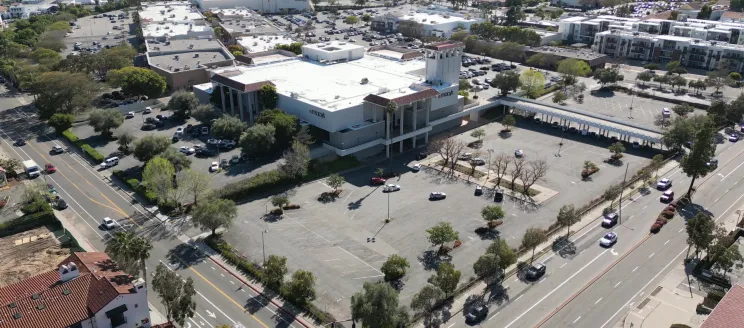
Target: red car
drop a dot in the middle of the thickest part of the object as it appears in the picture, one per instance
(377, 181)
(50, 168)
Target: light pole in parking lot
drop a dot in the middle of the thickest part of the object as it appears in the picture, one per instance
(263, 246)
(488, 173)
(632, 98)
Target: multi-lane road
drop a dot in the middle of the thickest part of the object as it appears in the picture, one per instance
(220, 297)
(595, 286)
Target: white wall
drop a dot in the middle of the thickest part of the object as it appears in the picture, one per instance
(330, 121)
(269, 6)
(134, 314)
(445, 98)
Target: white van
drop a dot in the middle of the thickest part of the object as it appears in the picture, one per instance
(109, 162)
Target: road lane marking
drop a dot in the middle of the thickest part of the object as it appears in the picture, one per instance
(666, 242)
(555, 289)
(600, 299)
(617, 284)
(634, 270)
(564, 264)
(232, 282)
(577, 319)
(495, 314)
(680, 230)
(204, 320)
(652, 254)
(518, 297)
(450, 326)
(541, 280)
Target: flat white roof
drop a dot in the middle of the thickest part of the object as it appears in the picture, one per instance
(332, 46)
(159, 30)
(338, 86)
(434, 19)
(258, 43)
(168, 12)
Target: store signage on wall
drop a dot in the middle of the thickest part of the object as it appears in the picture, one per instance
(445, 94)
(317, 113)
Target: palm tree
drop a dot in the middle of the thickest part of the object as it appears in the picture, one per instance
(390, 109)
(130, 247)
(141, 252)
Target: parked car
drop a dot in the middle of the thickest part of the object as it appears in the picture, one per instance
(667, 196)
(148, 127)
(666, 112)
(391, 188)
(437, 195)
(235, 159)
(664, 183)
(518, 153)
(608, 240)
(377, 181)
(416, 167)
(109, 162)
(108, 223)
(733, 137)
(61, 204)
(214, 167)
(129, 115)
(536, 271)
(478, 190)
(187, 150)
(147, 110)
(478, 161)
(465, 156)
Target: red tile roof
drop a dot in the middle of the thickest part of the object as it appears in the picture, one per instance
(732, 15)
(407, 99)
(45, 301)
(445, 45)
(728, 312)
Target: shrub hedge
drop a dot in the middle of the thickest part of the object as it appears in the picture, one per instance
(255, 271)
(136, 186)
(27, 222)
(87, 149)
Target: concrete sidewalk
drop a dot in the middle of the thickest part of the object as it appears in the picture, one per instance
(578, 230)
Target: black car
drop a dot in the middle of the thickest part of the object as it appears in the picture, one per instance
(536, 271)
(61, 204)
(148, 127)
(476, 314)
(421, 156)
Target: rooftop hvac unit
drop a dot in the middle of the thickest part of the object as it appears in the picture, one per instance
(196, 55)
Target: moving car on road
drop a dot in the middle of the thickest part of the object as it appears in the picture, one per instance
(57, 150)
(608, 240)
(664, 183)
(49, 168)
(535, 271)
(518, 153)
(108, 223)
(476, 314)
(113, 161)
(610, 219)
(437, 195)
(667, 196)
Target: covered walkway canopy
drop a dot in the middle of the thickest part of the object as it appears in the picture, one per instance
(583, 117)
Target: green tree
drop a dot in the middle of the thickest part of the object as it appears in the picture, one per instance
(695, 162)
(178, 159)
(442, 233)
(280, 200)
(129, 248)
(717, 79)
(423, 304)
(446, 278)
(611, 193)
(228, 127)
(617, 149)
(735, 76)
(508, 121)
(104, 120)
(574, 67)
(671, 66)
(286, 125)
(158, 177)
(559, 97)
(150, 146)
(511, 51)
(125, 139)
(257, 139)
(62, 92)
(61, 122)
(176, 295)
(296, 161)
(335, 181)
(478, 133)
(182, 103)
(506, 81)
(44, 56)
(567, 216)
(487, 268)
(376, 305)
(138, 81)
(506, 255)
(727, 258)
(214, 214)
(205, 113)
(366, 18)
(682, 130)
(533, 82)
(351, 20)
(300, 289)
(608, 76)
(541, 60)
(705, 12)
(275, 269)
(267, 96)
(395, 267)
(532, 238)
(492, 213)
(515, 14)
(683, 109)
(645, 77)
(700, 231)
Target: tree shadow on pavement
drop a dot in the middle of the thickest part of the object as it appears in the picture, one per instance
(564, 247)
(184, 256)
(689, 211)
(486, 233)
(253, 304)
(430, 259)
(355, 205)
(497, 294)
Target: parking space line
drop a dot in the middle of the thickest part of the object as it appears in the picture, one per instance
(379, 275)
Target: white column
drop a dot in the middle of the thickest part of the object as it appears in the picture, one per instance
(402, 115)
(388, 122)
(415, 109)
(232, 102)
(240, 106)
(427, 108)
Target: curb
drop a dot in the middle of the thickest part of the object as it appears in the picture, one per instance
(255, 289)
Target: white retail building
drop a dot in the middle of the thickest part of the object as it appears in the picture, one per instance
(342, 90)
(433, 22)
(264, 6)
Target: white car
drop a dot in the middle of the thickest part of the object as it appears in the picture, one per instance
(214, 167)
(187, 150)
(58, 150)
(518, 153)
(391, 188)
(416, 167)
(478, 161)
(214, 142)
(465, 156)
(129, 115)
(147, 110)
(108, 223)
(437, 195)
(608, 240)
(664, 183)
(666, 112)
(179, 130)
(667, 196)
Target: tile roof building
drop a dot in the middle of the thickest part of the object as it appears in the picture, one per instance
(88, 290)
(728, 312)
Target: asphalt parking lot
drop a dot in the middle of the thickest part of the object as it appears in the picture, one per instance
(133, 125)
(617, 105)
(89, 29)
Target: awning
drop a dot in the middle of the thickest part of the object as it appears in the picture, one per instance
(116, 311)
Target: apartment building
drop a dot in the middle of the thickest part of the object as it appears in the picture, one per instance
(583, 29)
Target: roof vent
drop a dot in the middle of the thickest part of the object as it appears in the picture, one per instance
(12, 305)
(66, 291)
(35, 296)
(365, 80)
(40, 307)
(16, 315)
(72, 266)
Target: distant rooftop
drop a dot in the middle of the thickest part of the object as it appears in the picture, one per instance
(259, 43)
(568, 53)
(175, 29)
(234, 12)
(248, 25)
(169, 12)
(184, 55)
(432, 18)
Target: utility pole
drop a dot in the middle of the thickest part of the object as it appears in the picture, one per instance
(263, 246)
(631, 103)
(488, 174)
(622, 187)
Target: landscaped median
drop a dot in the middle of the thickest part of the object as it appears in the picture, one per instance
(87, 149)
(255, 271)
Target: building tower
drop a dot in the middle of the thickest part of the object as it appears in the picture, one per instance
(443, 62)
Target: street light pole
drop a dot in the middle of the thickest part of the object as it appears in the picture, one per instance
(622, 187)
(631, 103)
(488, 174)
(263, 246)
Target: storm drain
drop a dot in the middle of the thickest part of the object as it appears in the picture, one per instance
(656, 291)
(640, 306)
